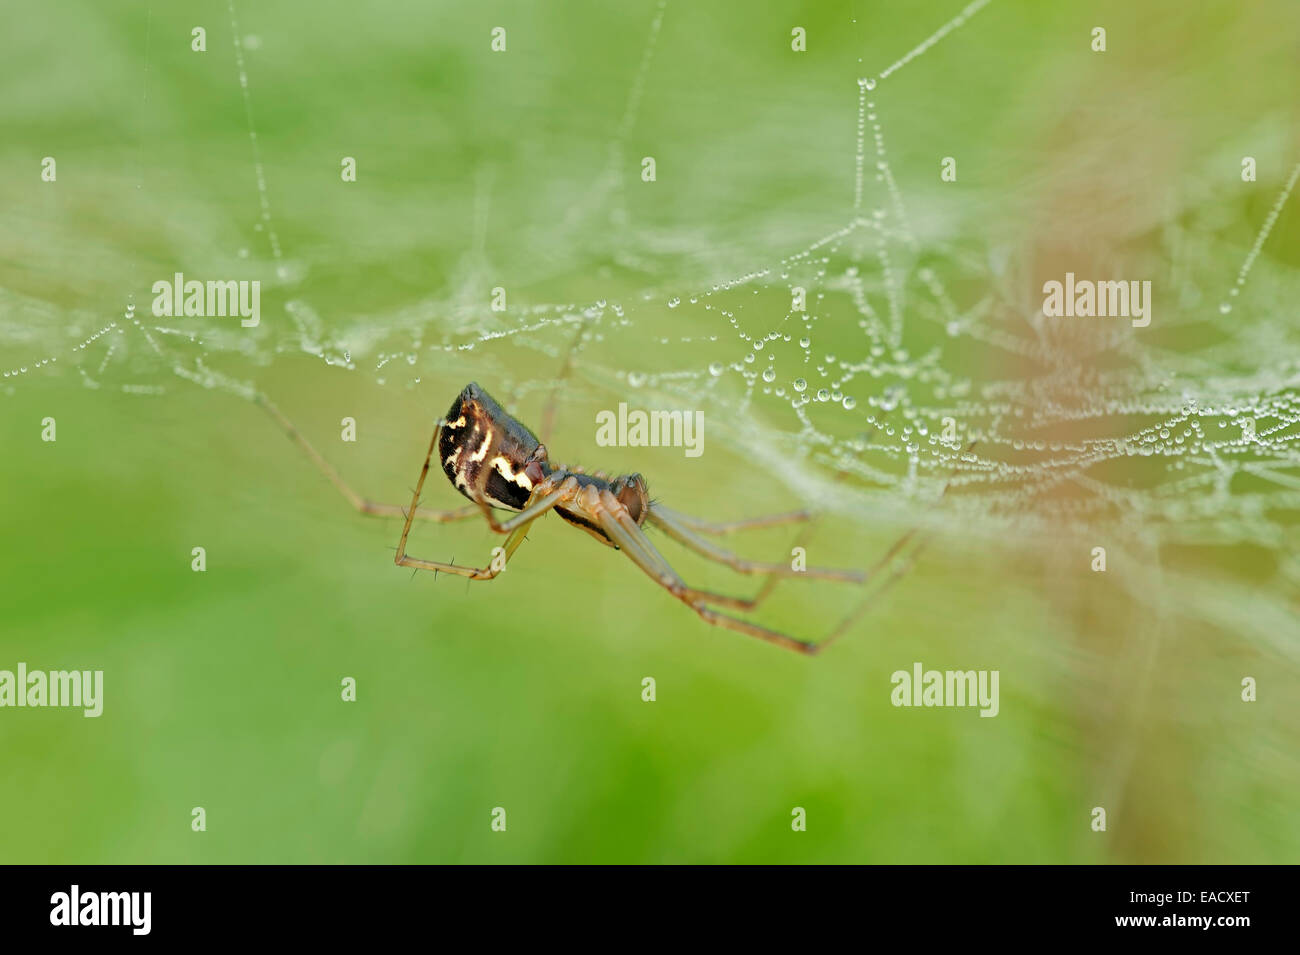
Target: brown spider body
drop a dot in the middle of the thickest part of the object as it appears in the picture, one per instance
(496, 461)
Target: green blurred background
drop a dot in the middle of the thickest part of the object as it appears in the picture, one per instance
(520, 170)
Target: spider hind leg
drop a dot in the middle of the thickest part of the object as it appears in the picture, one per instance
(618, 524)
(672, 525)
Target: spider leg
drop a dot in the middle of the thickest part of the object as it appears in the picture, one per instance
(544, 497)
(473, 573)
(615, 521)
(567, 487)
(898, 571)
(623, 530)
(870, 577)
(363, 505)
(668, 522)
(548, 412)
(644, 552)
(801, 540)
(729, 527)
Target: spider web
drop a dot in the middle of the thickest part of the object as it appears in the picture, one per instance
(921, 378)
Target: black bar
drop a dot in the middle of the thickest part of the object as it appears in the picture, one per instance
(333, 904)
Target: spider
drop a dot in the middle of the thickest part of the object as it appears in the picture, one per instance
(499, 464)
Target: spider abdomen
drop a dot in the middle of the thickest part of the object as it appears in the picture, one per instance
(487, 455)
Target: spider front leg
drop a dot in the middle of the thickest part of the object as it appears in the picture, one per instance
(473, 573)
(564, 486)
(544, 497)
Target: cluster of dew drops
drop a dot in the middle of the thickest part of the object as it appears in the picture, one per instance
(800, 394)
(796, 389)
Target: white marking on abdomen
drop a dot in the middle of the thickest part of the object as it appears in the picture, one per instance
(503, 468)
(482, 450)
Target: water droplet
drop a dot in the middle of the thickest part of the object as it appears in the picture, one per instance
(850, 402)
(769, 374)
(800, 384)
(715, 369)
(674, 302)
(823, 394)
(636, 379)
(1225, 308)
(805, 342)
